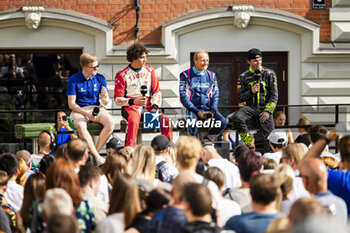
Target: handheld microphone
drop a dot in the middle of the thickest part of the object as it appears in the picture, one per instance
(95, 111)
(143, 90)
(257, 75)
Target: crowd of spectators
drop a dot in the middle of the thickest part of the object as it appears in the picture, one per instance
(27, 78)
(156, 189)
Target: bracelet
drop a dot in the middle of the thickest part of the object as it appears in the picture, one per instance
(326, 139)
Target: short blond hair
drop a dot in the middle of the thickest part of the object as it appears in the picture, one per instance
(86, 59)
(196, 54)
(188, 151)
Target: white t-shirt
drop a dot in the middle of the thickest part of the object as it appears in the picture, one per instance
(298, 189)
(275, 156)
(113, 223)
(14, 195)
(232, 176)
(228, 209)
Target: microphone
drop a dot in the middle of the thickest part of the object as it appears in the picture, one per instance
(143, 90)
(95, 111)
(257, 75)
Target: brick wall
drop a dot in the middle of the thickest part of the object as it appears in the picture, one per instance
(153, 13)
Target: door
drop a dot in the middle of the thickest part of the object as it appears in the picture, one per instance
(228, 67)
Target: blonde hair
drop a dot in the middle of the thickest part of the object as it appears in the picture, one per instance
(171, 156)
(286, 176)
(22, 170)
(188, 151)
(127, 153)
(144, 162)
(86, 59)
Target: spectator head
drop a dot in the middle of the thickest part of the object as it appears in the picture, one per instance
(315, 175)
(269, 164)
(344, 148)
(35, 187)
(59, 223)
(180, 181)
(238, 151)
(280, 118)
(197, 200)
(114, 145)
(144, 163)
(45, 163)
(304, 208)
(125, 196)
(188, 152)
(60, 120)
(9, 164)
(22, 171)
(216, 175)
(160, 144)
(115, 164)
(157, 199)
(135, 51)
(249, 164)
(61, 152)
(127, 152)
(285, 176)
(293, 153)
(316, 132)
(264, 189)
(46, 140)
(77, 150)
(57, 201)
(303, 122)
(3, 181)
(61, 174)
(89, 179)
(278, 139)
(26, 156)
(86, 59)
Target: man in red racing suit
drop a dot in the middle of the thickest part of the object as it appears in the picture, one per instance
(127, 93)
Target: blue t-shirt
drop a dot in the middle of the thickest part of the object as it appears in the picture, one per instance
(86, 91)
(339, 184)
(253, 222)
(62, 138)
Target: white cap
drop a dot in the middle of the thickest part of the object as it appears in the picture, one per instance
(278, 137)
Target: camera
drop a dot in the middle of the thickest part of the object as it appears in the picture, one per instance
(64, 118)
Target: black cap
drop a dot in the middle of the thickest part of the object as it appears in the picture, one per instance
(115, 143)
(161, 142)
(254, 54)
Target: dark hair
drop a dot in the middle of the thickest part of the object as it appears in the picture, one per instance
(87, 173)
(248, 163)
(76, 149)
(279, 146)
(9, 164)
(344, 147)
(58, 223)
(4, 178)
(135, 51)
(216, 175)
(239, 150)
(198, 197)
(264, 188)
(157, 199)
(316, 132)
(45, 163)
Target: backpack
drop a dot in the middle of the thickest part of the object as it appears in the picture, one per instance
(159, 171)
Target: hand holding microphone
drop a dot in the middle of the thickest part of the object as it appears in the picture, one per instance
(92, 116)
(141, 100)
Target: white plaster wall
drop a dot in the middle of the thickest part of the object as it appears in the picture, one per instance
(228, 39)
